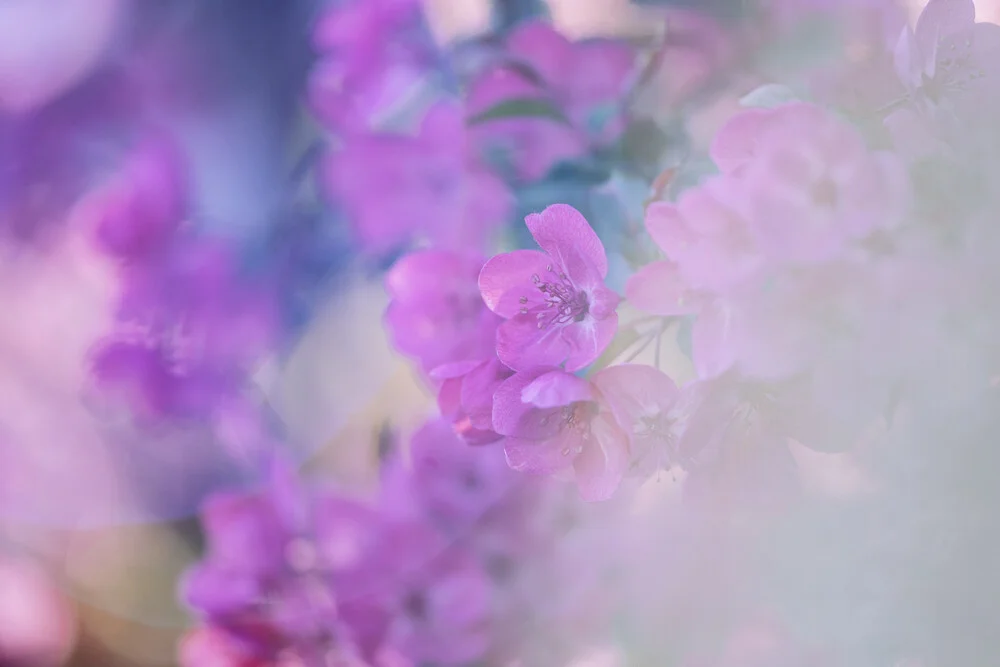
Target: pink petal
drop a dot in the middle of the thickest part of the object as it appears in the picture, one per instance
(602, 71)
(940, 19)
(556, 389)
(542, 457)
(563, 232)
(434, 272)
(506, 278)
(666, 225)
(443, 125)
(511, 415)
(523, 346)
(601, 465)
(547, 51)
(478, 389)
(634, 390)
(907, 59)
(657, 288)
(712, 348)
(588, 339)
(736, 142)
(454, 369)
(449, 398)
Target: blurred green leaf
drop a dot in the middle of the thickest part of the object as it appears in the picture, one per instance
(520, 107)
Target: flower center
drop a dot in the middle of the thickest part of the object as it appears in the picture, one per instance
(562, 302)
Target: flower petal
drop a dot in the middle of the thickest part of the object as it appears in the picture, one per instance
(511, 415)
(540, 457)
(522, 345)
(588, 339)
(601, 465)
(430, 272)
(506, 279)
(658, 289)
(555, 389)
(563, 232)
(940, 19)
(543, 48)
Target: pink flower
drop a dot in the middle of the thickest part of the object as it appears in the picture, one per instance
(558, 422)
(704, 233)
(395, 187)
(436, 313)
(557, 307)
(642, 399)
(949, 62)
(808, 183)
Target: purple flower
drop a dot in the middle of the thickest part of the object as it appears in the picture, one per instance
(144, 207)
(436, 313)
(438, 596)
(439, 189)
(447, 481)
(557, 307)
(589, 79)
(584, 80)
(188, 331)
(556, 422)
(949, 62)
(530, 145)
(465, 397)
(277, 560)
(371, 52)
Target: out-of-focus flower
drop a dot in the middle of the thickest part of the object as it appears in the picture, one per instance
(37, 624)
(396, 188)
(372, 52)
(557, 307)
(642, 399)
(949, 62)
(586, 81)
(530, 146)
(807, 182)
(189, 326)
(144, 207)
(436, 313)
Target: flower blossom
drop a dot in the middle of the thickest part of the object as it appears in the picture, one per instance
(949, 61)
(807, 183)
(437, 186)
(584, 80)
(555, 422)
(436, 313)
(371, 52)
(557, 308)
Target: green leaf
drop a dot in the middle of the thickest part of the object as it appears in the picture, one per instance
(520, 107)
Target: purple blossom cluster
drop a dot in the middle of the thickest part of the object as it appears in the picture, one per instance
(188, 326)
(433, 570)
